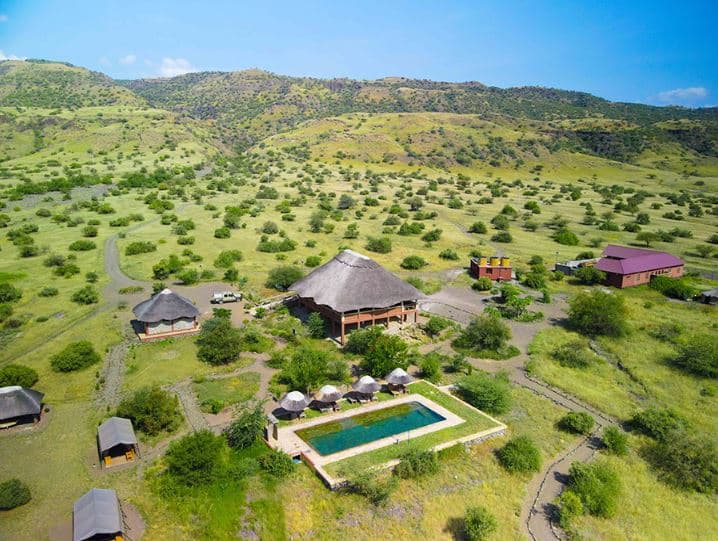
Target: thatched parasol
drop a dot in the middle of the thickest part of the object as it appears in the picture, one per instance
(328, 394)
(366, 385)
(294, 401)
(398, 376)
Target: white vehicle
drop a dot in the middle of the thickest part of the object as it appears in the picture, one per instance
(226, 296)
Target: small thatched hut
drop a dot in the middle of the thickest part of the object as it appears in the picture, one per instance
(327, 398)
(19, 405)
(353, 289)
(116, 441)
(366, 386)
(398, 379)
(294, 402)
(97, 516)
(166, 314)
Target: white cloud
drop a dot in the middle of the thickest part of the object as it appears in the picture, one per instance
(128, 59)
(683, 95)
(172, 67)
(4, 56)
(3, 18)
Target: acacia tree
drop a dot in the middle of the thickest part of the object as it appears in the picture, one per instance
(598, 313)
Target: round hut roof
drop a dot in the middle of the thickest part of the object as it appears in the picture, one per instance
(352, 281)
(16, 401)
(398, 376)
(166, 305)
(294, 401)
(328, 393)
(366, 385)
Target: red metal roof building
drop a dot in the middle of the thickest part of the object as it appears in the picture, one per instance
(627, 267)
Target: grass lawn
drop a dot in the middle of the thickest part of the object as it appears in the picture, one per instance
(227, 391)
(475, 422)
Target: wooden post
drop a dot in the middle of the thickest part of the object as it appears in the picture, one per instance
(342, 323)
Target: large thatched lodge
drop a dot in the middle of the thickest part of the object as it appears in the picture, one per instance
(164, 315)
(352, 290)
(19, 406)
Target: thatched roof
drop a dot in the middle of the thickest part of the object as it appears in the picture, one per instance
(96, 513)
(328, 393)
(16, 401)
(398, 376)
(351, 281)
(166, 305)
(115, 431)
(294, 401)
(366, 385)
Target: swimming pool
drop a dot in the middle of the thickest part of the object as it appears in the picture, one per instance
(335, 436)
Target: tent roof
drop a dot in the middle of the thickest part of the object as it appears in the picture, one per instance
(16, 401)
(96, 513)
(398, 376)
(366, 384)
(116, 431)
(166, 305)
(352, 281)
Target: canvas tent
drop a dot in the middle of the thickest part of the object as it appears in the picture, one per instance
(97, 516)
(166, 314)
(116, 438)
(18, 405)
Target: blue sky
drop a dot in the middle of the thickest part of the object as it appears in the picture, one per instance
(654, 52)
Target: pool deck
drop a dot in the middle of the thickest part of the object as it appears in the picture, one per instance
(288, 441)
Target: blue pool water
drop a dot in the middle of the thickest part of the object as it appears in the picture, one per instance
(336, 436)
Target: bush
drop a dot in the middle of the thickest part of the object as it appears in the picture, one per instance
(486, 392)
(48, 292)
(598, 313)
(416, 463)
(140, 247)
(578, 422)
(226, 258)
(686, 461)
(479, 524)
(520, 455)
(276, 246)
(569, 508)
(435, 325)
(565, 237)
(307, 367)
(89, 231)
(658, 423)
(430, 367)
(9, 293)
(86, 295)
(17, 374)
(478, 227)
(590, 275)
(316, 325)
(484, 333)
(151, 410)
(384, 354)
(483, 284)
(82, 246)
(597, 486)
(380, 245)
(277, 463)
(188, 276)
(360, 340)
(413, 262)
(313, 261)
(675, 288)
(75, 356)
(373, 488)
(502, 236)
(615, 441)
(246, 428)
(449, 254)
(222, 233)
(195, 459)
(218, 341)
(573, 354)
(282, 277)
(13, 493)
(699, 355)
(431, 236)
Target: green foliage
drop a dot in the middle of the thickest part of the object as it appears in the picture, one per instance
(75, 356)
(13, 493)
(313, 261)
(478, 227)
(188, 277)
(360, 340)
(276, 246)
(282, 277)
(615, 441)
(569, 508)
(565, 237)
(598, 487)
(374, 488)
(430, 366)
(431, 236)
(48, 292)
(577, 422)
(482, 284)
(415, 463)
(675, 288)
(590, 275)
(479, 524)
(246, 428)
(502, 236)
(307, 368)
(435, 325)
(598, 313)
(698, 354)
(484, 333)
(17, 374)
(277, 464)
(380, 245)
(82, 246)
(491, 394)
(151, 410)
(658, 423)
(520, 455)
(686, 461)
(195, 459)
(384, 354)
(316, 325)
(86, 295)
(9, 293)
(226, 258)
(222, 233)
(413, 262)
(573, 354)
(218, 341)
(449, 254)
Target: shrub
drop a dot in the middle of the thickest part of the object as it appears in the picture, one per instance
(565, 237)
(569, 508)
(699, 355)
(13, 493)
(520, 455)
(152, 410)
(573, 354)
(384, 354)
(435, 325)
(48, 292)
(502, 236)
(430, 367)
(598, 313)
(82, 246)
(449, 254)
(89, 231)
(277, 463)
(479, 524)
(246, 428)
(282, 277)
(270, 228)
(218, 341)
(376, 489)
(17, 374)
(484, 333)
(75, 356)
(276, 246)
(29, 250)
(615, 441)
(313, 261)
(686, 461)
(416, 463)
(86, 295)
(590, 275)
(597, 486)
(485, 392)
(195, 459)
(578, 422)
(380, 245)
(478, 227)
(658, 423)
(431, 236)
(222, 233)
(226, 258)
(307, 367)
(675, 288)
(483, 284)
(9, 293)
(360, 340)
(413, 262)
(316, 325)
(188, 276)
(140, 247)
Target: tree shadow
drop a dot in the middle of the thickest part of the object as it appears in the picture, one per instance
(456, 528)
